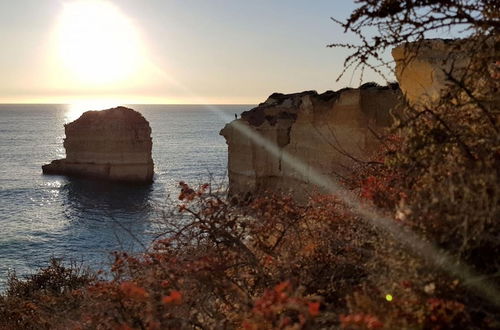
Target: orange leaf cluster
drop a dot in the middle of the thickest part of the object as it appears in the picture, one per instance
(175, 297)
(132, 290)
(360, 320)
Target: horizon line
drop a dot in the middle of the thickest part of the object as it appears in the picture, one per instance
(121, 104)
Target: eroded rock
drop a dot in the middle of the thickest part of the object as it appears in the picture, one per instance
(423, 68)
(112, 144)
(328, 132)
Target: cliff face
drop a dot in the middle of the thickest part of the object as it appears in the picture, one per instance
(327, 132)
(112, 144)
(422, 68)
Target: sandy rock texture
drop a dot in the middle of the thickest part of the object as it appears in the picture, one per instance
(327, 132)
(113, 144)
(422, 68)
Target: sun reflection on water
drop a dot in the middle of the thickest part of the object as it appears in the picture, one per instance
(54, 184)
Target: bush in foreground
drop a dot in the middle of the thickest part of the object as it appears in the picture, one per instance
(269, 264)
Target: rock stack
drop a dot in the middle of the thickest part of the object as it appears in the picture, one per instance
(113, 144)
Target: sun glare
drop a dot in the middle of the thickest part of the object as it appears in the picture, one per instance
(76, 109)
(98, 45)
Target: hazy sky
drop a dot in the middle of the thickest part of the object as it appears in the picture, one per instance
(168, 51)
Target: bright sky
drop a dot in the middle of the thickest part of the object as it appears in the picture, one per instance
(168, 51)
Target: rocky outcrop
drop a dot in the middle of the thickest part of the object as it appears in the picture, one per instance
(112, 144)
(327, 132)
(422, 68)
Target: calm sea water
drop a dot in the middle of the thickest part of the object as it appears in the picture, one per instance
(84, 220)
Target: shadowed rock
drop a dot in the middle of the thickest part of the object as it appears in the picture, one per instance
(112, 144)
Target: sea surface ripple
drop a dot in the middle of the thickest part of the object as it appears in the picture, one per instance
(85, 220)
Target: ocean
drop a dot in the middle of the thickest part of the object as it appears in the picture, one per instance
(83, 221)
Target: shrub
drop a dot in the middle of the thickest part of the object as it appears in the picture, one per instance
(44, 299)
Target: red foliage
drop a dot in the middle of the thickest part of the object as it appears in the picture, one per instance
(445, 313)
(270, 264)
(132, 290)
(378, 182)
(314, 308)
(364, 321)
(174, 297)
(282, 307)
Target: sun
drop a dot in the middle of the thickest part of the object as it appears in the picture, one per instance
(97, 44)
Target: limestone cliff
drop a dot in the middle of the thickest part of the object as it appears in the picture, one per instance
(422, 68)
(112, 144)
(328, 132)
